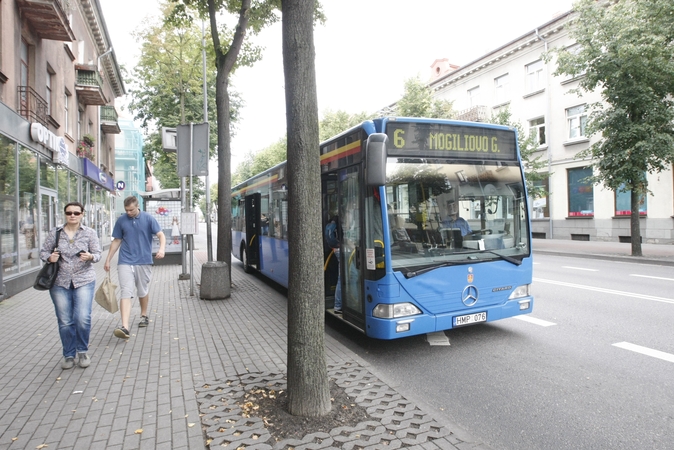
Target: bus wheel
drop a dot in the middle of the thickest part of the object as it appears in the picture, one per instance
(244, 260)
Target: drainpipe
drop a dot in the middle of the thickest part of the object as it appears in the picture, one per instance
(547, 120)
(98, 114)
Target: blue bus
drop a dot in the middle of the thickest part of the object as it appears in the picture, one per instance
(434, 225)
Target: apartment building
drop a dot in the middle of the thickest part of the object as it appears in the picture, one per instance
(515, 76)
(58, 82)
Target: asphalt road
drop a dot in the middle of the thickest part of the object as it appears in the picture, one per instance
(582, 372)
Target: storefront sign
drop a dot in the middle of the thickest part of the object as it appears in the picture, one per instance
(94, 174)
(56, 144)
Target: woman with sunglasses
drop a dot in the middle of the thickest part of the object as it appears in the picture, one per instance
(73, 292)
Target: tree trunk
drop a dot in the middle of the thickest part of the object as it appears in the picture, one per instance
(225, 62)
(308, 384)
(224, 250)
(635, 226)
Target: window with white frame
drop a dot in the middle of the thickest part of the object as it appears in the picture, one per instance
(66, 112)
(474, 96)
(576, 119)
(575, 50)
(79, 123)
(48, 92)
(534, 76)
(502, 89)
(537, 130)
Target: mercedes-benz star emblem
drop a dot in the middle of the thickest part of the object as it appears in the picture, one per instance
(469, 295)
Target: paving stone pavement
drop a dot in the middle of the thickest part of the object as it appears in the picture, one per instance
(147, 392)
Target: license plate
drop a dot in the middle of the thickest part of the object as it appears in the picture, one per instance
(470, 319)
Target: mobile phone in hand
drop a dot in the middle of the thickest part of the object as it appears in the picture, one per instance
(80, 252)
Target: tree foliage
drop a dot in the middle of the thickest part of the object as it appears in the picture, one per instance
(333, 123)
(418, 101)
(256, 162)
(230, 50)
(535, 167)
(167, 89)
(625, 49)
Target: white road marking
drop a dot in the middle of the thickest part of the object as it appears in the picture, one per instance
(645, 351)
(535, 321)
(607, 291)
(437, 338)
(580, 268)
(652, 278)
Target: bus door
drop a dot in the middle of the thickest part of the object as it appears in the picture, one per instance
(330, 209)
(252, 215)
(352, 250)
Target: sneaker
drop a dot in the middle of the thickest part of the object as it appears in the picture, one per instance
(144, 321)
(338, 311)
(84, 360)
(68, 363)
(121, 333)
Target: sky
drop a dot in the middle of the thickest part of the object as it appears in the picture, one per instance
(364, 52)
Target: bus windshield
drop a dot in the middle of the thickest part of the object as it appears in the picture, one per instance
(442, 212)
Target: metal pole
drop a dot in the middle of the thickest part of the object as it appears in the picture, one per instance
(183, 254)
(191, 207)
(209, 240)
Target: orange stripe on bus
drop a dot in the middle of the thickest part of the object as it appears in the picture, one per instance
(256, 184)
(341, 152)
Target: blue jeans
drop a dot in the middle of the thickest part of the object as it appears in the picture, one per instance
(338, 289)
(73, 312)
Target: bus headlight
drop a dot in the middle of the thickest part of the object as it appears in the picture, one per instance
(520, 291)
(396, 310)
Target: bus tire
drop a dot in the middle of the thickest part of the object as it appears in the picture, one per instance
(244, 259)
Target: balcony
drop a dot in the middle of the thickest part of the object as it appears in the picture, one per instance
(474, 114)
(48, 18)
(109, 123)
(89, 86)
(32, 106)
(128, 154)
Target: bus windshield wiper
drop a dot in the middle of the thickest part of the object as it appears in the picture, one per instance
(414, 273)
(510, 259)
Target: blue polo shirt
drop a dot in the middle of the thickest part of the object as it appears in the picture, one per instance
(136, 236)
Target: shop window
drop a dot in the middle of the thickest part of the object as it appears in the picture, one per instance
(623, 203)
(581, 192)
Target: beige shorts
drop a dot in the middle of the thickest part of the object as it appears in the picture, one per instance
(134, 279)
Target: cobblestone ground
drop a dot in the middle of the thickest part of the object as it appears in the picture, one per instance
(393, 421)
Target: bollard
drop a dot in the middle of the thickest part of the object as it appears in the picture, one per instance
(215, 282)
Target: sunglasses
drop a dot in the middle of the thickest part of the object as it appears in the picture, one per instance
(73, 213)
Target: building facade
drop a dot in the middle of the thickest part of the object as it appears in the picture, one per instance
(130, 167)
(515, 76)
(58, 82)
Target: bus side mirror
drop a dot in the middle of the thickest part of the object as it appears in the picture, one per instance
(376, 159)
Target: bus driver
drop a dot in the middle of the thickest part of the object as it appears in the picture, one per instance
(454, 221)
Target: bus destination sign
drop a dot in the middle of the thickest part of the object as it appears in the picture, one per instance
(457, 141)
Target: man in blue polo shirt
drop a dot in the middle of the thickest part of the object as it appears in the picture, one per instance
(132, 235)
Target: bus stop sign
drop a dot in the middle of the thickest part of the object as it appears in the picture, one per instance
(199, 138)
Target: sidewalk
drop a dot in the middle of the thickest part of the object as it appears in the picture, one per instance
(615, 251)
(175, 384)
